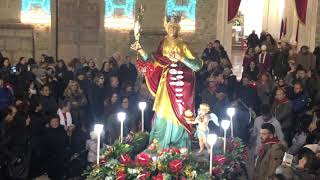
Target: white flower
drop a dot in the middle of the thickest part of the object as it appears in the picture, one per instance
(194, 174)
(133, 171)
(166, 176)
(109, 178)
(183, 150)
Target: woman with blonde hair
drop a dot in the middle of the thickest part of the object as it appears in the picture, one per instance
(78, 101)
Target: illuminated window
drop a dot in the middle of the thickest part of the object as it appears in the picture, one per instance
(188, 10)
(35, 12)
(119, 14)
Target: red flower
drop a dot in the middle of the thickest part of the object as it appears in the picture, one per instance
(219, 159)
(236, 144)
(162, 152)
(144, 175)
(158, 177)
(216, 171)
(125, 159)
(171, 150)
(102, 161)
(143, 159)
(121, 175)
(175, 166)
(183, 178)
(152, 147)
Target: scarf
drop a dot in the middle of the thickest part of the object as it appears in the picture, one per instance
(261, 61)
(282, 101)
(65, 120)
(262, 148)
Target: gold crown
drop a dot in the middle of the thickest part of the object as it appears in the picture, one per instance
(174, 17)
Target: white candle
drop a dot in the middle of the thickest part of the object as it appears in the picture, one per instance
(121, 118)
(142, 106)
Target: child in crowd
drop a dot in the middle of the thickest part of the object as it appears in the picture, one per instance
(91, 146)
(65, 115)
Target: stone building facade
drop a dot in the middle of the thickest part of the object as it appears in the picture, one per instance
(81, 30)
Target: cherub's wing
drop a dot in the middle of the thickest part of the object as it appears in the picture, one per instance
(214, 119)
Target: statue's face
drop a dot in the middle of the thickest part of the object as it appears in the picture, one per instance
(173, 30)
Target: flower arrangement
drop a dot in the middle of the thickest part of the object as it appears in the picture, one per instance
(118, 162)
(232, 164)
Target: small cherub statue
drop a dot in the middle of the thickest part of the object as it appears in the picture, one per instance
(202, 128)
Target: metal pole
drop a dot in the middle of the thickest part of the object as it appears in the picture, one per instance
(231, 126)
(121, 133)
(211, 149)
(225, 142)
(98, 149)
(142, 120)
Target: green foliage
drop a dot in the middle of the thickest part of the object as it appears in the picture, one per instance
(167, 164)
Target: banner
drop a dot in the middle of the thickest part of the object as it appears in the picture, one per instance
(301, 7)
(233, 7)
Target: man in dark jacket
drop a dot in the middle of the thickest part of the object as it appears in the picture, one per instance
(306, 168)
(128, 72)
(270, 153)
(253, 40)
(282, 111)
(280, 65)
(300, 100)
(48, 102)
(210, 54)
(6, 97)
(248, 94)
(222, 54)
(55, 141)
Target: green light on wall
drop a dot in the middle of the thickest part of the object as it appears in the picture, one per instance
(188, 10)
(119, 14)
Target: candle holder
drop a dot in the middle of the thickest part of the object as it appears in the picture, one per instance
(212, 139)
(98, 129)
(225, 124)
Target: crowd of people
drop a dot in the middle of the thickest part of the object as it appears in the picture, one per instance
(48, 107)
(277, 102)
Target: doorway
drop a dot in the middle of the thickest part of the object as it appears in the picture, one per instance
(249, 17)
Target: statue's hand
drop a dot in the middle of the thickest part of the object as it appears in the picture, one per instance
(175, 57)
(136, 46)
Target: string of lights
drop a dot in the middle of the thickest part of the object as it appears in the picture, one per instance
(118, 15)
(123, 20)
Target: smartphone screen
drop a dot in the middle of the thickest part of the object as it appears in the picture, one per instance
(14, 69)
